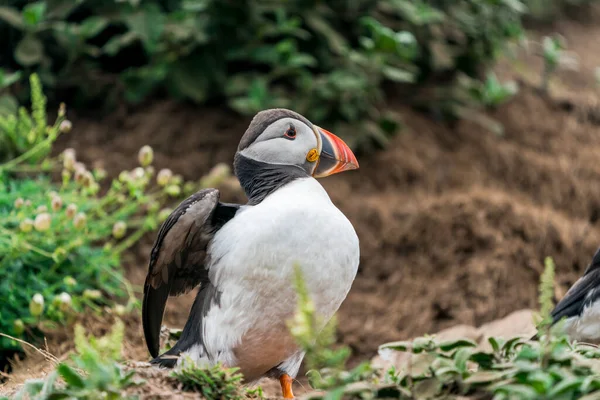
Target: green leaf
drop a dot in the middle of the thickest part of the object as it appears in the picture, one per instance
(12, 17)
(569, 385)
(337, 43)
(511, 344)
(590, 396)
(397, 74)
(398, 346)
(482, 376)
(461, 357)
(186, 82)
(148, 24)
(427, 388)
(48, 387)
(447, 374)
(60, 9)
(541, 381)
(515, 391)
(195, 5)
(494, 343)
(34, 13)
(91, 26)
(70, 376)
(116, 43)
(8, 79)
(420, 364)
(175, 334)
(335, 394)
(454, 344)
(516, 5)
(8, 105)
(29, 51)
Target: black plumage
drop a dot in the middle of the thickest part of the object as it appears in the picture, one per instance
(178, 261)
(583, 293)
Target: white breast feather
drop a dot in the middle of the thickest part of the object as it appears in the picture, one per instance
(585, 327)
(253, 258)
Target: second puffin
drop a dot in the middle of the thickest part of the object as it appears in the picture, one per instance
(243, 256)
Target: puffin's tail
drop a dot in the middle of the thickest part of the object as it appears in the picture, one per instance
(190, 339)
(165, 360)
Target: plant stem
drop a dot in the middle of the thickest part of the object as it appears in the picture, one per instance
(9, 165)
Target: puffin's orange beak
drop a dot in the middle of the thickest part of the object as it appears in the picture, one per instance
(335, 155)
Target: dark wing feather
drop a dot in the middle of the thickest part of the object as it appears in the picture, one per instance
(583, 292)
(177, 260)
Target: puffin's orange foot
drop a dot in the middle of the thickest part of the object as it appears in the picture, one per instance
(286, 386)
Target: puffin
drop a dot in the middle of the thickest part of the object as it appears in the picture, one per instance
(580, 307)
(243, 257)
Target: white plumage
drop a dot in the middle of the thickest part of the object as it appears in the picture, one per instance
(252, 265)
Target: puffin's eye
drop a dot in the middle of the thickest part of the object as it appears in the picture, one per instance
(290, 133)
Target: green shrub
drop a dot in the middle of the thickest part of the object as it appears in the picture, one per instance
(214, 382)
(93, 374)
(327, 59)
(61, 242)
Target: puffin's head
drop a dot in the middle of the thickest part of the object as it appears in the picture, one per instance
(284, 137)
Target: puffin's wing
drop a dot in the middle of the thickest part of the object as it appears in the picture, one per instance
(584, 291)
(178, 258)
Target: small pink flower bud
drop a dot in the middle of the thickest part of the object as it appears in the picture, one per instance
(145, 156)
(56, 203)
(36, 305)
(100, 173)
(69, 281)
(69, 159)
(42, 222)
(79, 221)
(65, 126)
(71, 210)
(26, 225)
(173, 190)
(120, 309)
(164, 176)
(137, 173)
(18, 327)
(63, 301)
(119, 229)
(92, 294)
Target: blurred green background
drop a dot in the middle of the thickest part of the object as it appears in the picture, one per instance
(331, 60)
(342, 63)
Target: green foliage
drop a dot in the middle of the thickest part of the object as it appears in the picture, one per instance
(552, 48)
(512, 369)
(545, 10)
(546, 294)
(61, 242)
(94, 375)
(21, 131)
(327, 59)
(326, 365)
(554, 54)
(491, 93)
(213, 382)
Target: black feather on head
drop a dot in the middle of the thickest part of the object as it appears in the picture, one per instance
(262, 120)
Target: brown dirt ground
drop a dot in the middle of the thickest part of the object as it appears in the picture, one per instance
(454, 221)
